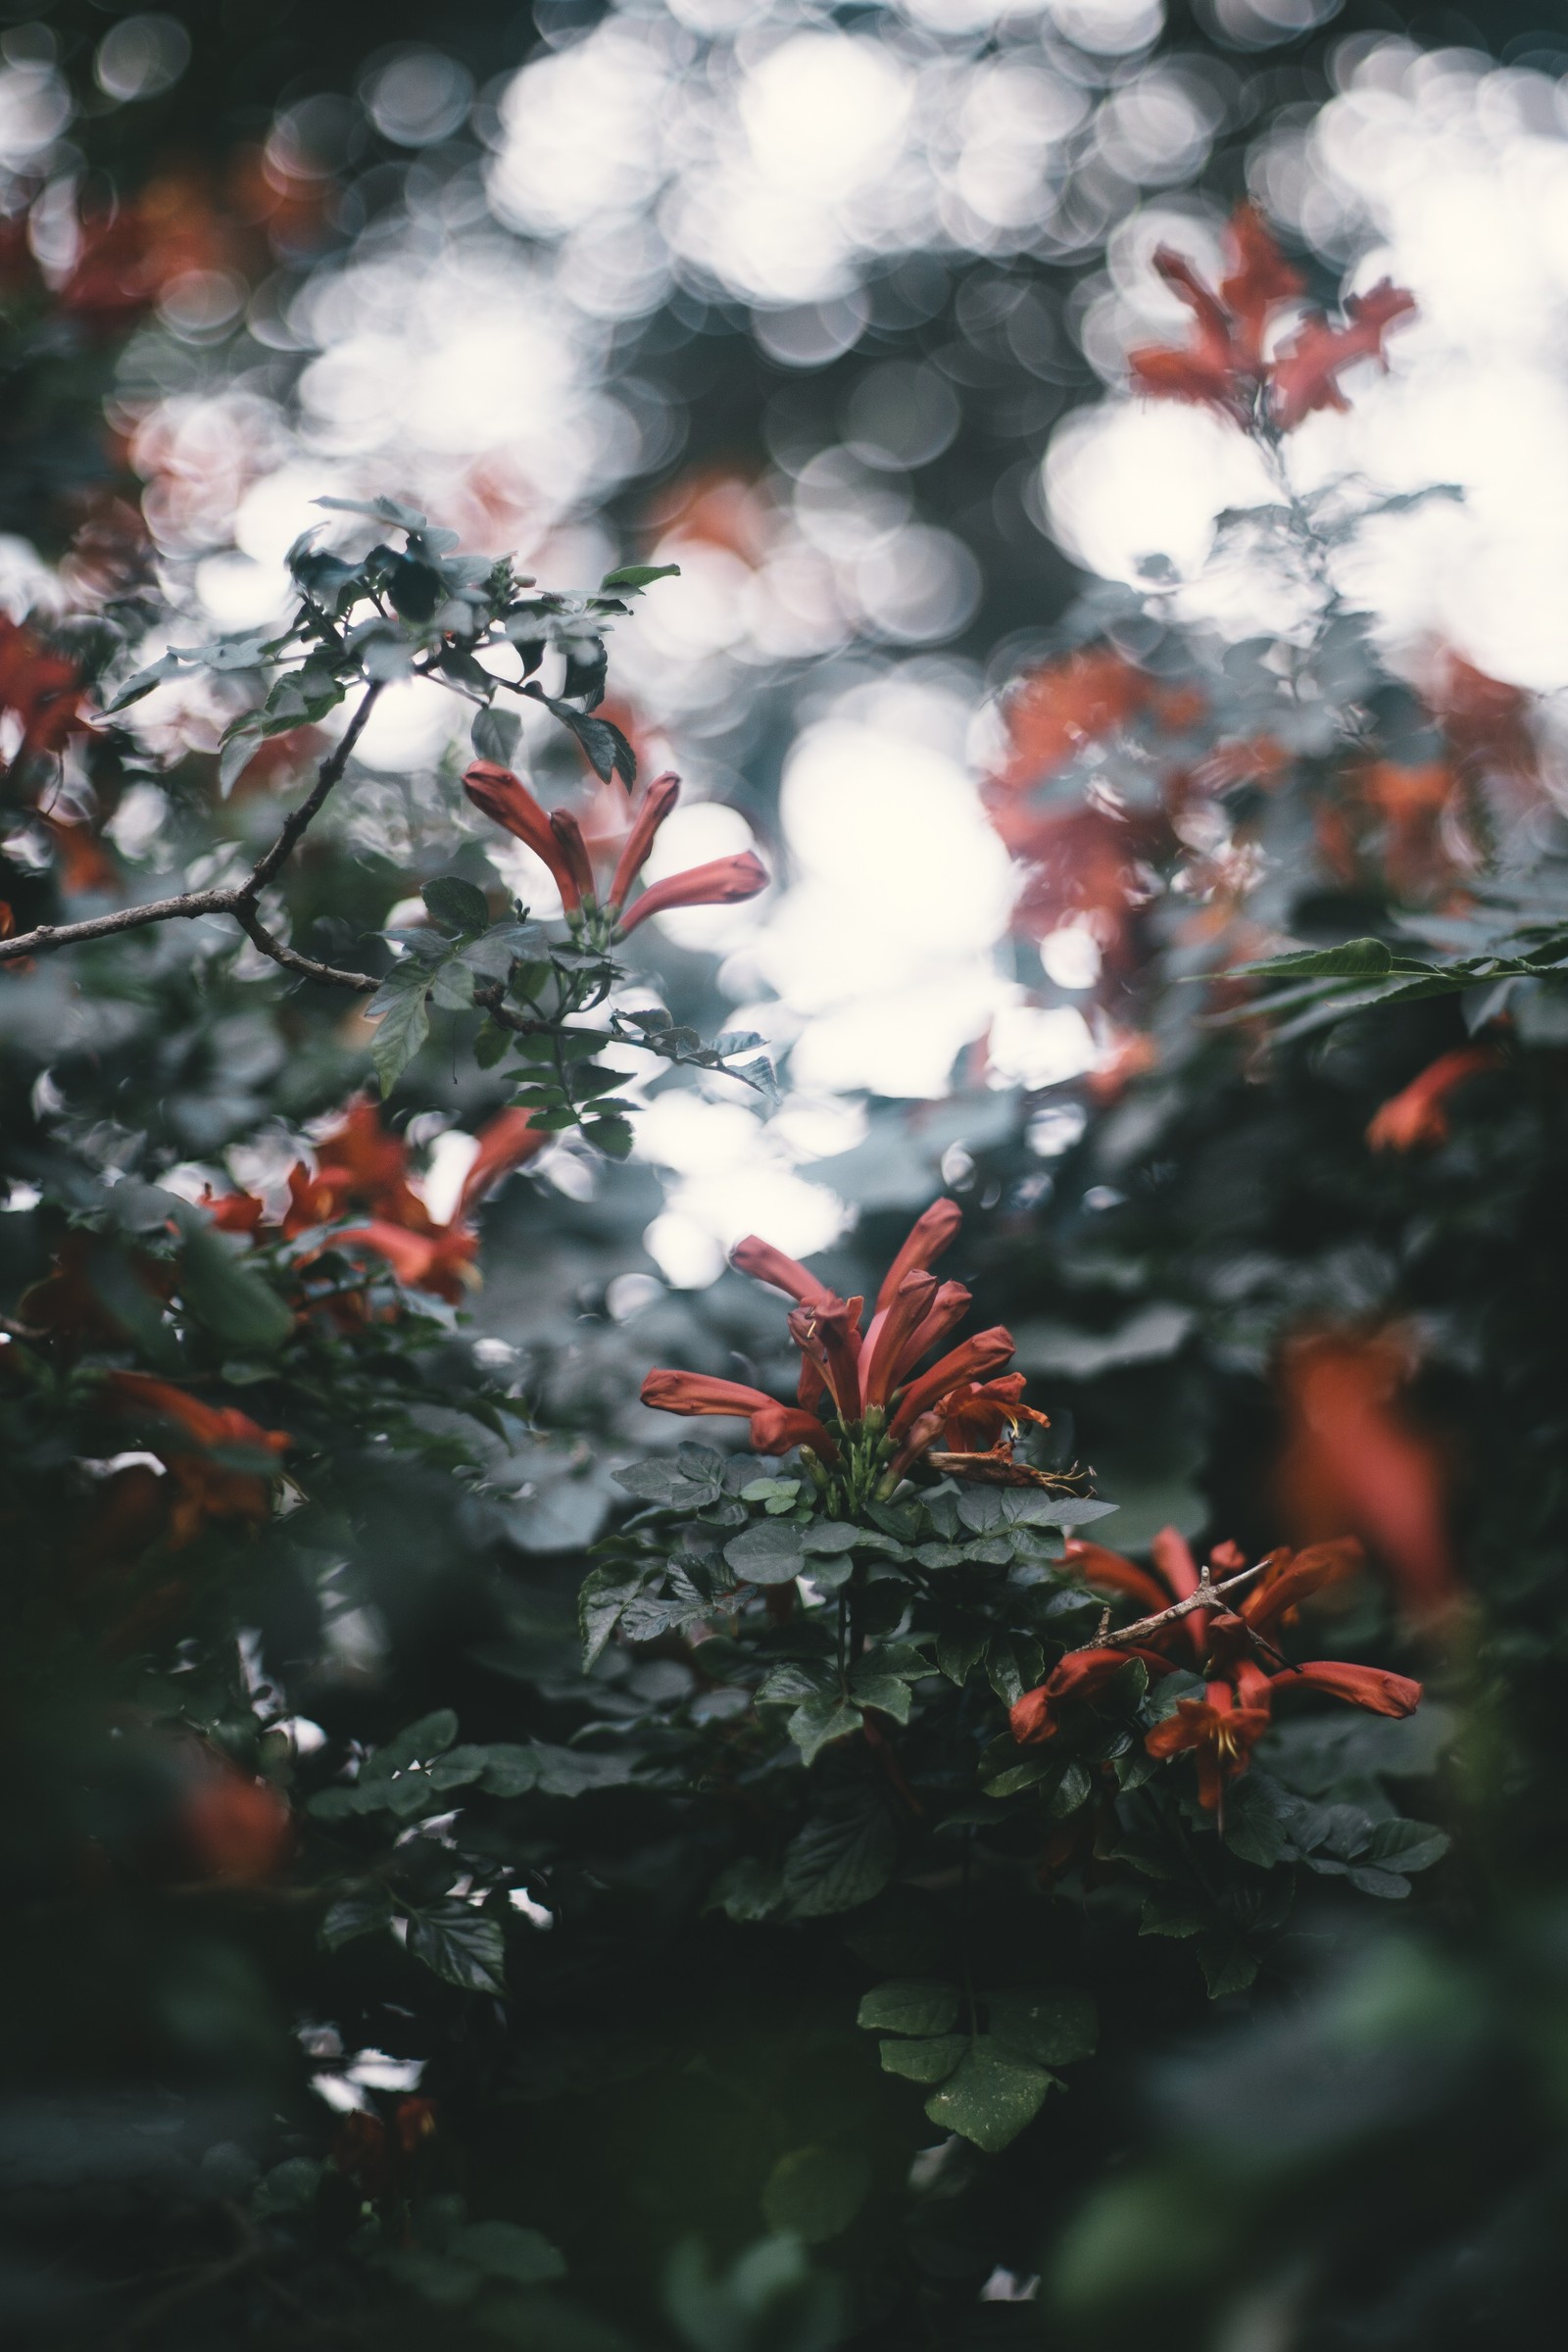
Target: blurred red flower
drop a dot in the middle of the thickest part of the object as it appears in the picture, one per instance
(1224, 366)
(1354, 1457)
(1418, 1113)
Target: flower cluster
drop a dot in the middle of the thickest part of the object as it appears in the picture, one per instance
(864, 1412)
(1226, 367)
(593, 906)
(360, 1167)
(1233, 1648)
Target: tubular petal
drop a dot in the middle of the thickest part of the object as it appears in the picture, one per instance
(931, 1233)
(1369, 1686)
(722, 882)
(672, 1392)
(987, 1351)
(656, 805)
(883, 1359)
(764, 1263)
(506, 801)
(574, 849)
(778, 1427)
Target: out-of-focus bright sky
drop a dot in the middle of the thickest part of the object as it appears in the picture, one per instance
(463, 353)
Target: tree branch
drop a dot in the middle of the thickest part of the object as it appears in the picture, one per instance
(1208, 1595)
(239, 900)
(256, 931)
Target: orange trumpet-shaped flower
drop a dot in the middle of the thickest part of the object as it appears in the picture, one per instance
(223, 1469)
(362, 1167)
(558, 839)
(441, 1263)
(1419, 1113)
(1223, 1727)
(1078, 1676)
(864, 1401)
(698, 1394)
(1369, 1686)
(1355, 1457)
(507, 1142)
(1220, 1734)
(722, 882)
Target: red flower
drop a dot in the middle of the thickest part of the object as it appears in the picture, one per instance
(1221, 1735)
(1305, 374)
(363, 1167)
(1223, 367)
(1418, 1113)
(1078, 1676)
(507, 1142)
(225, 1468)
(1369, 1686)
(863, 1405)
(441, 1263)
(1354, 1457)
(558, 839)
(1223, 1727)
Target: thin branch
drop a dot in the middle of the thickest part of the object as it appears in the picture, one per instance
(1208, 1595)
(239, 900)
(331, 769)
(251, 924)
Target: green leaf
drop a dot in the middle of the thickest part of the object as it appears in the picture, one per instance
(1228, 1961)
(1035, 1771)
(768, 1554)
(167, 666)
(640, 575)
(889, 1694)
(506, 2250)
(495, 735)
(379, 510)
(603, 1596)
(816, 2193)
(360, 1914)
(613, 1136)
(456, 905)
(909, 2005)
(429, 1736)
(1403, 1846)
(509, 1770)
(403, 1023)
(460, 1945)
(1048, 2025)
(989, 2097)
(573, 1771)
(826, 1537)
(1173, 1911)
(747, 1891)
(841, 1858)
(1352, 960)
(820, 1719)
(928, 2061)
(225, 1295)
(957, 1654)
(795, 1679)
(240, 744)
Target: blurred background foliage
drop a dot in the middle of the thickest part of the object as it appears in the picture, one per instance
(825, 305)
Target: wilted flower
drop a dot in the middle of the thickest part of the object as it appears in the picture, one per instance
(865, 1411)
(559, 840)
